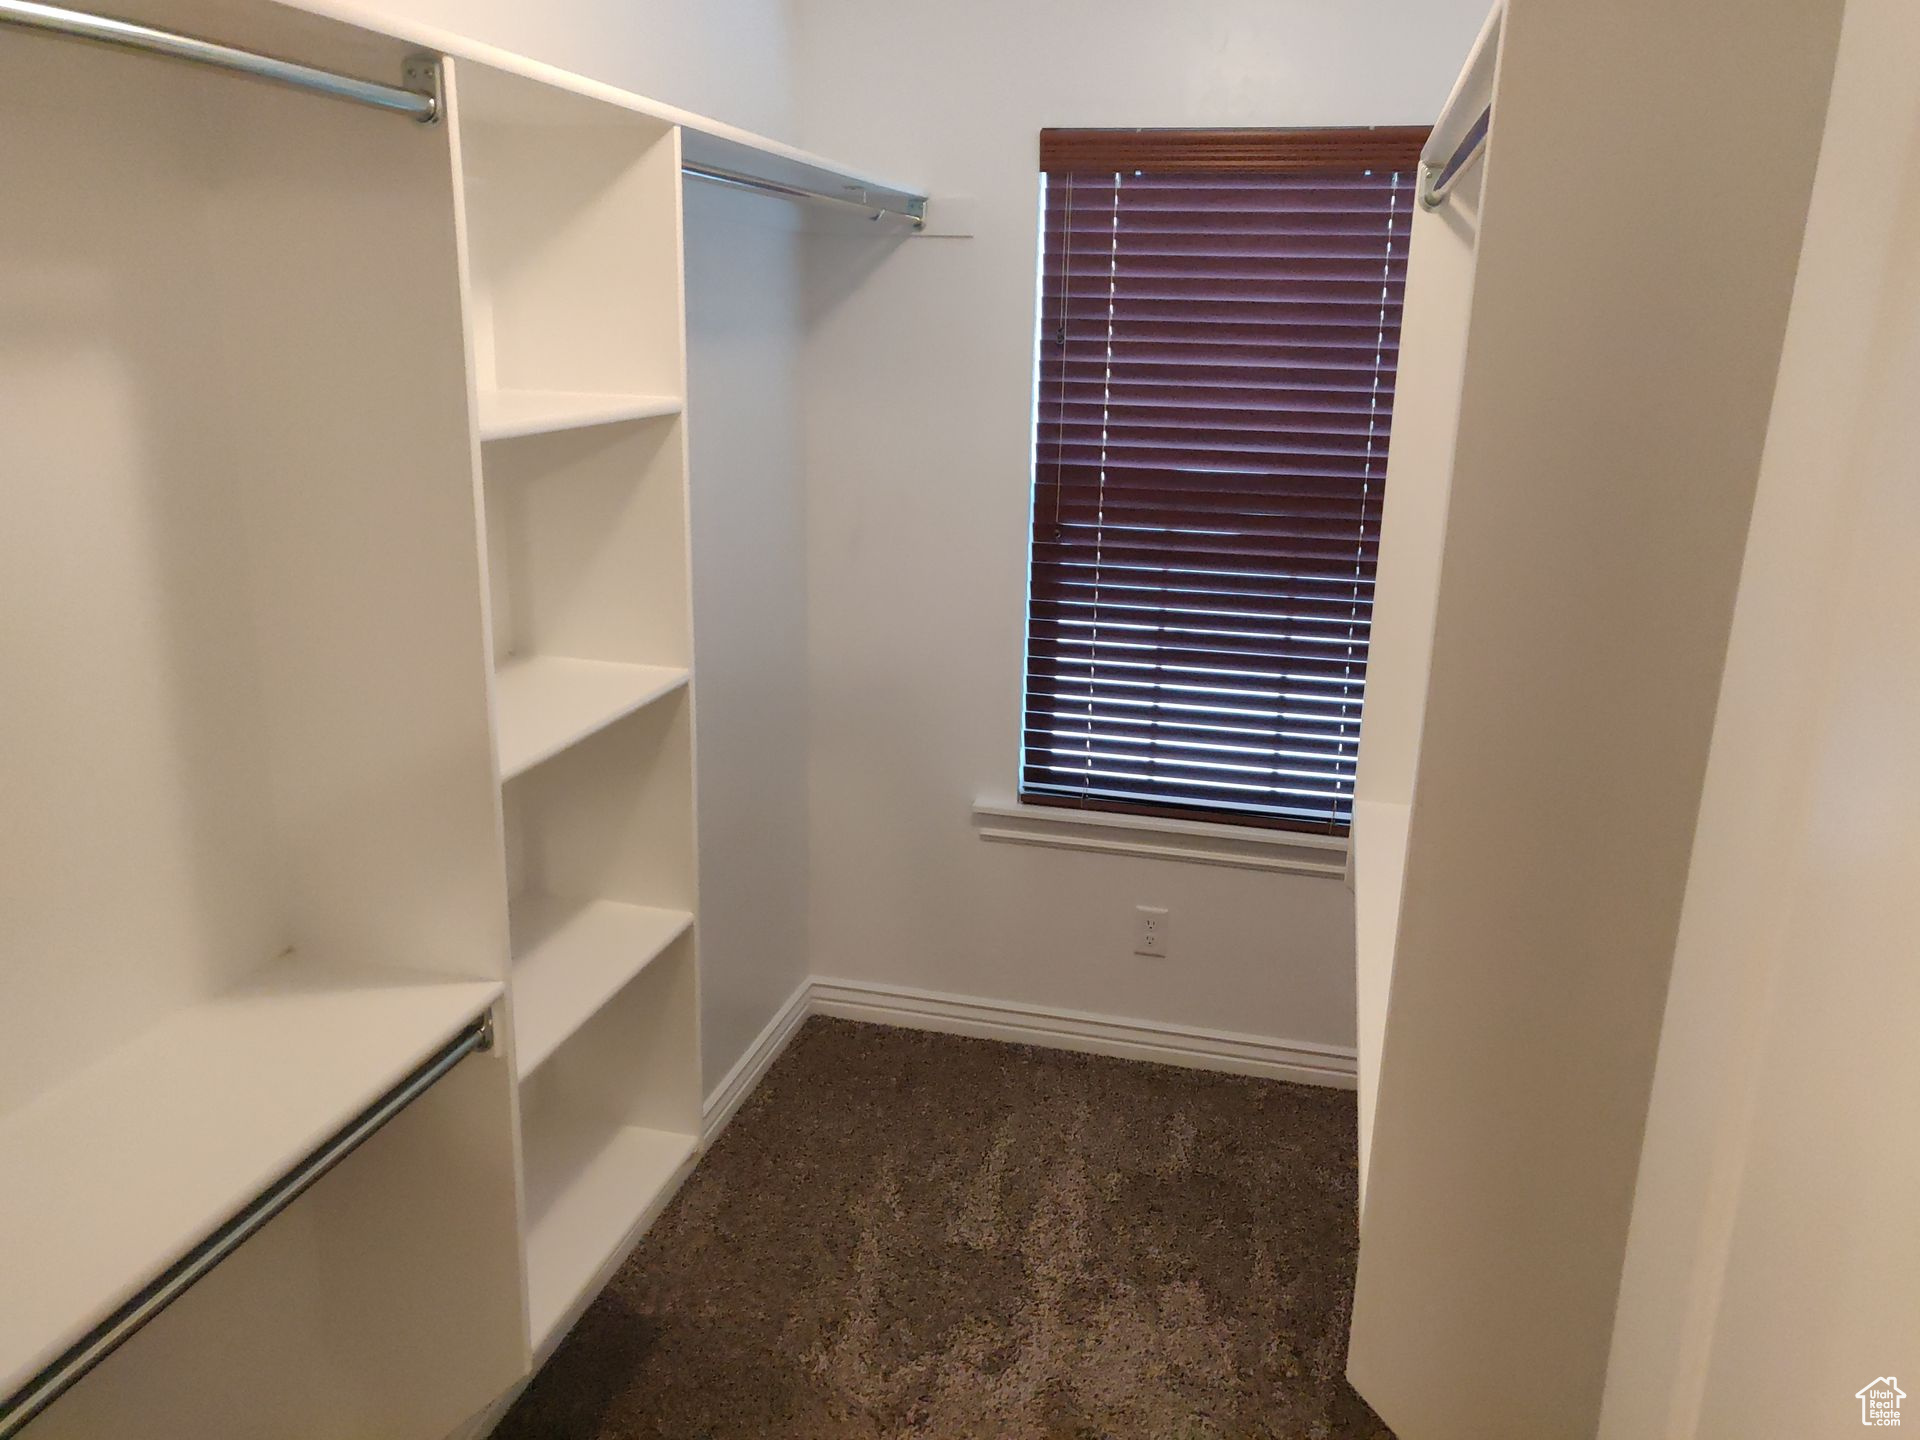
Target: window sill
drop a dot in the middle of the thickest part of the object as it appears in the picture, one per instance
(1196, 842)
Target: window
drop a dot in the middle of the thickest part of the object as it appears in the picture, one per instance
(1219, 323)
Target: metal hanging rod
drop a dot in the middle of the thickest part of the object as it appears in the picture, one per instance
(1460, 134)
(911, 208)
(420, 98)
(173, 1282)
(1440, 178)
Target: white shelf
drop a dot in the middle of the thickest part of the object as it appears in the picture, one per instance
(119, 1171)
(546, 703)
(570, 957)
(591, 1188)
(508, 414)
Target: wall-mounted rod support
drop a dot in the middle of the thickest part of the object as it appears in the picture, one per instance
(1460, 134)
(173, 1282)
(77, 25)
(911, 208)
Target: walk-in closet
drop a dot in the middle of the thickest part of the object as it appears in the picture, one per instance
(782, 719)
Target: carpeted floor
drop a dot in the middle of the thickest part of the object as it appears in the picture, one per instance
(905, 1234)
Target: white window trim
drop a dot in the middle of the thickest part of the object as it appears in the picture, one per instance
(1199, 842)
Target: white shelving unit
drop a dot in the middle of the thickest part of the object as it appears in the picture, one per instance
(572, 210)
(347, 572)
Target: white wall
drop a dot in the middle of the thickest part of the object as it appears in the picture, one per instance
(918, 416)
(731, 59)
(1772, 1259)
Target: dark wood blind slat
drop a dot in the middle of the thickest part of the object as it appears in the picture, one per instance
(1309, 675)
(1230, 365)
(1320, 459)
(1218, 353)
(1283, 633)
(1283, 396)
(1359, 438)
(1247, 515)
(1149, 340)
(1203, 153)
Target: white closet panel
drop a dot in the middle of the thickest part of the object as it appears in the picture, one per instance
(1426, 410)
(1616, 370)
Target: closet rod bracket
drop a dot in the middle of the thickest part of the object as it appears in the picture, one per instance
(421, 74)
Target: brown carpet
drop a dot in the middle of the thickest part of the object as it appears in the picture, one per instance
(905, 1234)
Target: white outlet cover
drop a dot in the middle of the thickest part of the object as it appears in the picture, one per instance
(1150, 923)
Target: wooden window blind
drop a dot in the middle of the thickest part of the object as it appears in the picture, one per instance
(1219, 325)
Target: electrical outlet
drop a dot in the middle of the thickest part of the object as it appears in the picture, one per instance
(1149, 930)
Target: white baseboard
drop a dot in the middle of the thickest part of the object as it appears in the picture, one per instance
(1300, 1061)
(747, 1072)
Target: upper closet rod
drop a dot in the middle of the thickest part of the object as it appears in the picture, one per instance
(421, 103)
(17, 1409)
(1460, 134)
(911, 208)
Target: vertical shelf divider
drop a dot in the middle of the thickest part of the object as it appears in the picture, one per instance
(572, 260)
